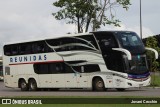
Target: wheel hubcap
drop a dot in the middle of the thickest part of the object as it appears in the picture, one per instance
(32, 85)
(99, 84)
(23, 85)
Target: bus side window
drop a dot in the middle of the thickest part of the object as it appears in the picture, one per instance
(47, 48)
(7, 50)
(91, 68)
(14, 49)
(90, 39)
(59, 68)
(108, 43)
(38, 47)
(25, 49)
(77, 68)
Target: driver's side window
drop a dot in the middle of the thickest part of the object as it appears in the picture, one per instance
(108, 42)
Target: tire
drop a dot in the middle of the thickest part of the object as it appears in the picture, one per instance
(23, 85)
(121, 89)
(98, 85)
(33, 85)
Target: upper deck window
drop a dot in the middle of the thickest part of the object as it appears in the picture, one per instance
(131, 42)
(129, 39)
(106, 40)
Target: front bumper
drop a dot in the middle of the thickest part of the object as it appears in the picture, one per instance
(138, 83)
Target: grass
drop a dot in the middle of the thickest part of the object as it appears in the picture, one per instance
(155, 80)
(86, 105)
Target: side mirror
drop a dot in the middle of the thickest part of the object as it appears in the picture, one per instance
(153, 50)
(124, 51)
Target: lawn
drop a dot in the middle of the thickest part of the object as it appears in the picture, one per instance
(155, 80)
(112, 99)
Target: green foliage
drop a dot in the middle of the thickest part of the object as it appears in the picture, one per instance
(152, 42)
(85, 13)
(155, 80)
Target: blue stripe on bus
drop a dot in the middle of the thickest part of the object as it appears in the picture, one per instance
(138, 76)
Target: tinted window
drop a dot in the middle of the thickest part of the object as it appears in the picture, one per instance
(7, 50)
(131, 42)
(72, 43)
(87, 68)
(129, 39)
(38, 47)
(52, 68)
(14, 49)
(25, 49)
(106, 40)
(90, 39)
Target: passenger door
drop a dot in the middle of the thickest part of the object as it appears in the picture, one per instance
(10, 78)
(70, 77)
(84, 80)
(44, 75)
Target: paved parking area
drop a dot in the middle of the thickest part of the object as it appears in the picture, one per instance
(149, 92)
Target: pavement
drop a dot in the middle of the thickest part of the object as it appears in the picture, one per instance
(145, 92)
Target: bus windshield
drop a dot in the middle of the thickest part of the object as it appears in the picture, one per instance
(131, 42)
(138, 65)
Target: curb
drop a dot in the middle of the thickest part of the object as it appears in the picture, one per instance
(150, 88)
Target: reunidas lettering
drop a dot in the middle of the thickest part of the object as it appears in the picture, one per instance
(33, 58)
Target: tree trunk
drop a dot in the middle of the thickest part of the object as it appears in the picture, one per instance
(87, 25)
(79, 31)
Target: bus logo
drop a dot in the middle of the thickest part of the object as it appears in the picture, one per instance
(6, 101)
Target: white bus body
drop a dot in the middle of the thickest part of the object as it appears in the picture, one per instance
(66, 62)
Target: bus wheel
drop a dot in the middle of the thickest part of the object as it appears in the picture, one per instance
(98, 85)
(32, 85)
(23, 85)
(120, 89)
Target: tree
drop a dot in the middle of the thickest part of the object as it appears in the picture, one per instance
(152, 42)
(85, 13)
(154, 65)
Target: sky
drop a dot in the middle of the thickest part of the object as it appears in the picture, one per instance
(31, 19)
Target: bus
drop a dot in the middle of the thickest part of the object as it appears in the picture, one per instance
(95, 60)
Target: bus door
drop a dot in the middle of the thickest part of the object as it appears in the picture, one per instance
(10, 77)
(82, 78)
(70, 80)
(44, 74)
(113, 59)
(58, 80)
(70, 77)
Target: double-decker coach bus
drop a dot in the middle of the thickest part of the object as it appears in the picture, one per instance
(96, 60)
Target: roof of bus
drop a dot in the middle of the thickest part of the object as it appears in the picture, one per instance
(47, 38)
(60, 36)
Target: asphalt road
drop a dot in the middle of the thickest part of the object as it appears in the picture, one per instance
(149, 92)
